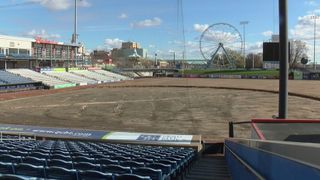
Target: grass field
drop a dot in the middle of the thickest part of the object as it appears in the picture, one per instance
(233, 72)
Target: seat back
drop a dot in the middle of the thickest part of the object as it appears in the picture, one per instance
(35, 161)
(61, 173)
(131, 177)
(116, 169)
(6, 168)
(154, 174)
(86, 166)
(131, 164)
(94, 175)
(165, 168)
(60, 163)
(10, 158)
(30, 170)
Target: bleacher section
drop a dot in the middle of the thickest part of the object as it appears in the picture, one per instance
(112, 75)
(47, 80)
(9, 78)
(70, 77)
(94, 75)
(92, 160)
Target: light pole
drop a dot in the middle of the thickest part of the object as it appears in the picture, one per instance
(155, 58)
(252, 61)
(314, 17)
(244, 23)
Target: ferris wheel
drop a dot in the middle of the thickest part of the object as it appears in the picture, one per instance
(219, 45)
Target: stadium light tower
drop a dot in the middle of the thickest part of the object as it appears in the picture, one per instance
(244, 23)
(75, 35)
(314, 17)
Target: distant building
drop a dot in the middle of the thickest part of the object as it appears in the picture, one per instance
(127, 50)
(19, 52)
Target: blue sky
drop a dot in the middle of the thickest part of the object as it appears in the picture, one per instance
(104, 24)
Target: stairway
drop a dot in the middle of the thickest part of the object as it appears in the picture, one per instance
(209, 167)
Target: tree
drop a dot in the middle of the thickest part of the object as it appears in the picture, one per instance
(257, 58)
(298, 50)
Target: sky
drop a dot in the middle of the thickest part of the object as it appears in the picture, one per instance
(155, 24)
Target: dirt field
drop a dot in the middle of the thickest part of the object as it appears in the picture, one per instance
(178, 110)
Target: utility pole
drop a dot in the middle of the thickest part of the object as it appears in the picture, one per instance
(314, 17)
(244, 23)
(284, 59)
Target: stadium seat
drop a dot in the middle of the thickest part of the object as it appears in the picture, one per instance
(34, 161)
(61, 157)
(115, 169)
(166, 169)
(94, 175)
(30, 170)
(131, 177)
(60, 163)
(86, 166)
(146, 171)
(61, 173)
(6, 168)
(83, 159)
(40, 155)
(144, 160)
(131, 164)
(106, 161)
(12, 177)
(19, 153)
(120, 158)
(10, 158)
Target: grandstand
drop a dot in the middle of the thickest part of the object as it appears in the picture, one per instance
(10, 78)
(92, 160)
(95, 75)
(112, 75)
(72, 78)
(46, 80)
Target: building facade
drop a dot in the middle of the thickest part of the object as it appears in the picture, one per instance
(127, 50)
(18, 52)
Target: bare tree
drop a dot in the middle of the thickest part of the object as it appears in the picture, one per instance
(257, 58)
(298, 50)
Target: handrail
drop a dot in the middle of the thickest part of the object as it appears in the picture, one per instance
(254, 172)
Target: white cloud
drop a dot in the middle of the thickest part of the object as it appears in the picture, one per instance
(200, 27)
(112, 43)
(267, 33)
(311, 3)
(60, 4)
(256, 47)
(147, 23)
(42, 33)
(123, 16)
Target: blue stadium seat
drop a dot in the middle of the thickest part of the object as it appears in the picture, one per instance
(166, 169)
(144, 160)
(83, 159)
(34, 161)
(131, 164)
(94, 175)
(30, 170)
(61, 173)
(60, 163)
(131, 177)
(120, 158)
(106, 161)
(116, 169)
(10, 158)
(12, 177)
(6, 168)
(154, 174)
(19, 153)
(40, 155)
(99, 156)
(60, 156)
(86, 166)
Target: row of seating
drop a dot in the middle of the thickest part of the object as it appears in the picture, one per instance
(10, 78)
(47, 80)
(79, 77)
(153, 161)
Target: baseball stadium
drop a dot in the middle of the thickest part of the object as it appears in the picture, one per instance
(69, 115)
